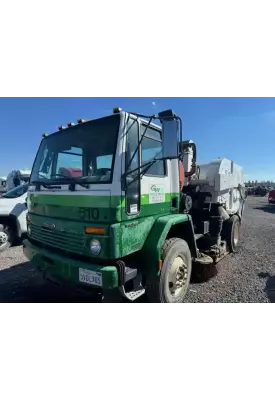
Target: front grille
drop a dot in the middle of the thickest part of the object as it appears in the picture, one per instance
(66, 241)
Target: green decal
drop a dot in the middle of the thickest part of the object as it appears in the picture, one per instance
(156, 194)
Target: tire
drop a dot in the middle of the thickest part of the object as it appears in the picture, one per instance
(232, 233)
(176, 268)
(4, 246)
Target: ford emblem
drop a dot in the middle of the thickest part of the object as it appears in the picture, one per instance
(49, 226)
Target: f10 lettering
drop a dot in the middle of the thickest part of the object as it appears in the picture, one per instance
(88, 213)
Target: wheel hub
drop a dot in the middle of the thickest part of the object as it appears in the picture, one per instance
(3, 238)
(178, 276)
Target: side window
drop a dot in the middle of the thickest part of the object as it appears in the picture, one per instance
(70, 163)
(132, 156)
(131, 163)
(151, 147)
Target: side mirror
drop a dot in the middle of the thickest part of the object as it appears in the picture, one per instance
(170, 134)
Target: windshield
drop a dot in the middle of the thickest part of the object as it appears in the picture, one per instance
(16, 192)
(85, 151)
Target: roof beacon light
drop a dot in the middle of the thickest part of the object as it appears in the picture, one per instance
(69, 124)
(117, 110)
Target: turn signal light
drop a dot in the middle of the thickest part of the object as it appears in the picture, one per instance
(160, 265)
(95, 231)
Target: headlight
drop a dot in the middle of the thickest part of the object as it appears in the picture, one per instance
(29, 230)
(95, 247)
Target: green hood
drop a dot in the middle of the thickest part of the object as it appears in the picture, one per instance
(93, 207)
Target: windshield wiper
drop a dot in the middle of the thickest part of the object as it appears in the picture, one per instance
(63, 179)
(45, 185)
(74, 181)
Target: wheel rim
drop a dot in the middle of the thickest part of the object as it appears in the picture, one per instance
(236, 233)
(3, 239)
(178, 276)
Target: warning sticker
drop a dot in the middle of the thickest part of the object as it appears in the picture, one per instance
(156, 194)
(133, 208)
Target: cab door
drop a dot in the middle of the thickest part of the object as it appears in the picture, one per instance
(155, 183)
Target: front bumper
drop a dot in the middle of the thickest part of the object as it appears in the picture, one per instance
(67, 269)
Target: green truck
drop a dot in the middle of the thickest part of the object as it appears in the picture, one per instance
(125, 223)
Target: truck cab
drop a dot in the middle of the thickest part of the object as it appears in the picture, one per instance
(122, 222)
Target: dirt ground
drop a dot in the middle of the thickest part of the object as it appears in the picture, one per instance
(247, 276)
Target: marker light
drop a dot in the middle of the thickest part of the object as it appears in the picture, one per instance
(69, 124)
(95, 231)
(81, 121)
(61, 127)
(45, 135)
(117, 110)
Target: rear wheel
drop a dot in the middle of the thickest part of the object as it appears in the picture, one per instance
(232, 233)
(171, 285)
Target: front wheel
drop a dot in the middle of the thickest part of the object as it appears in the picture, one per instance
(171, 285)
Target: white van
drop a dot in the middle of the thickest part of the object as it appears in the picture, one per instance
(3, 182)
(13, 213)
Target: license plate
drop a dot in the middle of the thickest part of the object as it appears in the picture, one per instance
(90, 277)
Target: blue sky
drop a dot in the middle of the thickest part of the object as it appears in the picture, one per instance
(241, 129)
